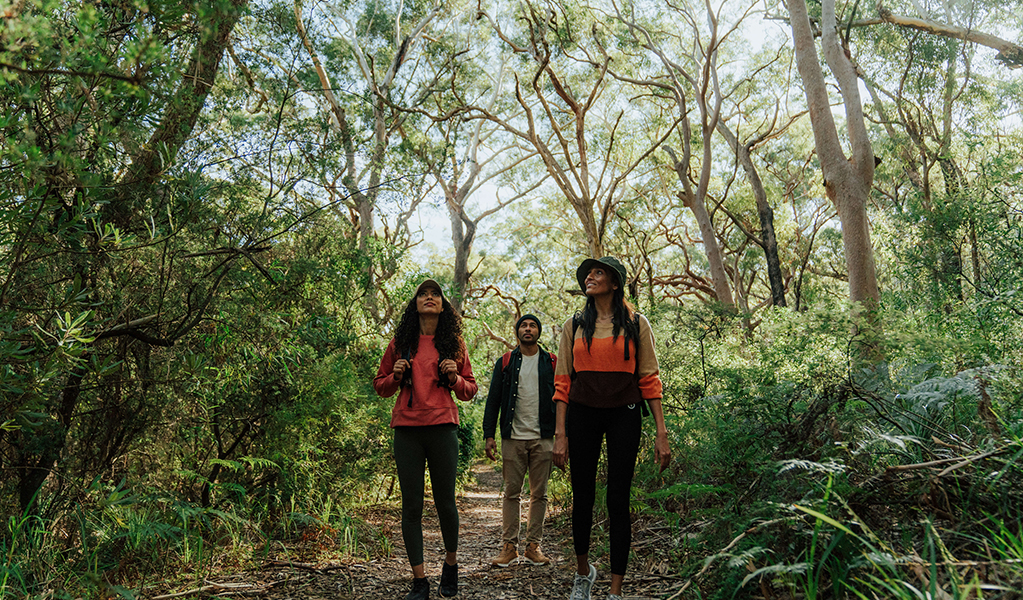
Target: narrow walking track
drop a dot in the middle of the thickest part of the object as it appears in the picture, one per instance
(388, 578)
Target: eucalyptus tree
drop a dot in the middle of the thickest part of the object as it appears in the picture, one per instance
(918, 120)
(355, 68)
(467, 157)
(941, 103)
(576, 117)
(789, 162)
(847, 180)
(102, 253)
(688, 72)
(767, 238)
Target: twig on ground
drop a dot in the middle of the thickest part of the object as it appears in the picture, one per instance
(972, 459)
(959, 462)
(225, 589)
(289, 563)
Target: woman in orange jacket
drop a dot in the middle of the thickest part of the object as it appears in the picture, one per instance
(607, 371)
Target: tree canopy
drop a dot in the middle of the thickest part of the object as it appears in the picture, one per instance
(213, 212)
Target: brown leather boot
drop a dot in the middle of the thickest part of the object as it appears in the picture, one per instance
(534, 555)
(509, 554)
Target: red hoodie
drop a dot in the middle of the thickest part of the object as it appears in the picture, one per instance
(431, 403)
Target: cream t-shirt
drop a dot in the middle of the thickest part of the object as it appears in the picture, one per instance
(526, 422)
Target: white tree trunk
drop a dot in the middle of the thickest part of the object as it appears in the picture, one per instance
(847, 181)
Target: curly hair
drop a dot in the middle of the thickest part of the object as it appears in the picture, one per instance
(447, 339)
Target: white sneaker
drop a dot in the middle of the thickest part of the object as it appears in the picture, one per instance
(614, 597)
(583, 584)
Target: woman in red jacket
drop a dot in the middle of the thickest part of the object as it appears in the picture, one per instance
(427, 361)
(606, 371)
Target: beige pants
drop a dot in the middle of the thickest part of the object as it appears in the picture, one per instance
(520, 456)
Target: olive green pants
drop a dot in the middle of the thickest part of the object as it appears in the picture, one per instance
(415, 449)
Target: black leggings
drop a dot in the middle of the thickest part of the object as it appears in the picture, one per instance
(586, 429)
(414, 449)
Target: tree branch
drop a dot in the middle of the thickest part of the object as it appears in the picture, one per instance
(1009, 54)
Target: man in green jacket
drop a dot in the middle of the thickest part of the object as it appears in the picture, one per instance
(522, 397)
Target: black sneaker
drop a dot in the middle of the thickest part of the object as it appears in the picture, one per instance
(448, 580)
(420, 589)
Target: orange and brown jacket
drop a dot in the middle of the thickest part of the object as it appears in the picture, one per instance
(600, 376)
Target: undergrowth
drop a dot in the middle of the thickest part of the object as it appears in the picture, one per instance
(795, 475)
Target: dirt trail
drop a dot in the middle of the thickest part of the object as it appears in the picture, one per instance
(388, 578)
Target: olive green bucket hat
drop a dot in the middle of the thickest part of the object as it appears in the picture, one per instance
(608, 261)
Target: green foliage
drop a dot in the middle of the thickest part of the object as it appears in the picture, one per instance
(787, 429)
(186, 347)
(470, 434)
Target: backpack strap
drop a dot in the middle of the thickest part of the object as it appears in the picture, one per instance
(645, 411)
(505, 360)
(407, 377)
(632, 330)
(626, 336)
(577, 319)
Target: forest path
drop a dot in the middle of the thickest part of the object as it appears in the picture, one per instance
(479, 539)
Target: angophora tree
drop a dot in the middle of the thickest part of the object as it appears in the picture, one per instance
(364, 123)
(682, 83)
(847, 180)
(465, 155)
(567, 103)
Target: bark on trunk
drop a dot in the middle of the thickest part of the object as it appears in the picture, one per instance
(463, 233)
(694, 202)
(155, 158)
(847, 181)
(43, 445)
(768, 240)
(183, 110)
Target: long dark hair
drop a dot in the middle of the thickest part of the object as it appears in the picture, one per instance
(447, 339)
(623, 318)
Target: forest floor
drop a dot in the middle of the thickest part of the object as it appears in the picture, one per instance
(295, 573)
